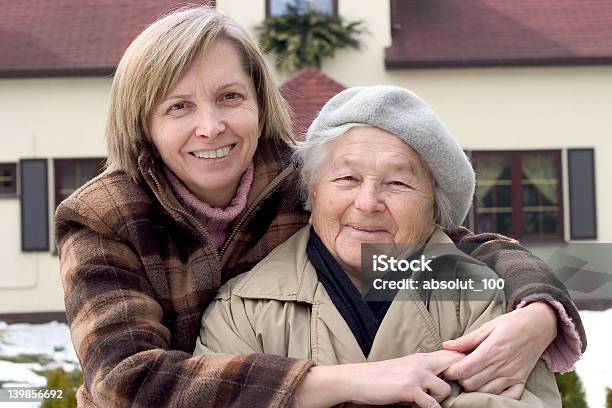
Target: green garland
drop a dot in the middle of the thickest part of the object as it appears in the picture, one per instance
(300, 40)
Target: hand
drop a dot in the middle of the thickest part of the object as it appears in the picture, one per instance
(407, 379)
(506, 350)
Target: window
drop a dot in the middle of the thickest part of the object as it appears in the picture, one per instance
(8, 178)
(519, 194)
(70, 174)
(280, 7)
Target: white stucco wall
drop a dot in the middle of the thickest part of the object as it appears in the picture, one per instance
(48, 118)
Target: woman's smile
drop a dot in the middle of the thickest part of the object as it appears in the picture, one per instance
(365, 231)
(216, 153)
(213, 160)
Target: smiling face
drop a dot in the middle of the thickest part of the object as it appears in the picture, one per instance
(373, 189)
(206, 129)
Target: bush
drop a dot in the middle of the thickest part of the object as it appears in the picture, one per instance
(305, 39)
(41, 359)
(69, 382)
(570, 387)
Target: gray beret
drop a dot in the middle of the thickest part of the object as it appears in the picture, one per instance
(404, 114)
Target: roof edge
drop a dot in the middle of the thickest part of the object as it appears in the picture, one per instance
(58, 72)
(392, 64)
(305, 72)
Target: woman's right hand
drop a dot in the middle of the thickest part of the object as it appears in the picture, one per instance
(413, 378)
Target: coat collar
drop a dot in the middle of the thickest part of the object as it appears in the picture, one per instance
(286, 274)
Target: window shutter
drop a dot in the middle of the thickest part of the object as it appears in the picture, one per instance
(583, 214)
(34, 205)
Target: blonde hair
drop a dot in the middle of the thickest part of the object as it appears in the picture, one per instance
(156, 60)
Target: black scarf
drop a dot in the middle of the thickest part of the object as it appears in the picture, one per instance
(363, 318)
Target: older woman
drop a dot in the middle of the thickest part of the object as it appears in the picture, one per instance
(199, 188)
(379, 167)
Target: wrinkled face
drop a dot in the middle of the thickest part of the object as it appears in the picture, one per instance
(374, 189)
(206, 129)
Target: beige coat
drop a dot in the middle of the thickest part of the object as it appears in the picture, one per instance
(281, 308)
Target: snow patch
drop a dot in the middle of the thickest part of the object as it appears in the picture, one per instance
(595, 366)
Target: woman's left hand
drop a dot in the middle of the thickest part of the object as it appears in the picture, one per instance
(506, 349)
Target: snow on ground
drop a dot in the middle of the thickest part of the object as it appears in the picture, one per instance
(595, 367)
(16, 375)
(53, 340)
(50, 340)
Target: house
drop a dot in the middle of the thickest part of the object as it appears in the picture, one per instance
(526, 86)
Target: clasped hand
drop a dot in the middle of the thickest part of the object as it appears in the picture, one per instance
(505, 351)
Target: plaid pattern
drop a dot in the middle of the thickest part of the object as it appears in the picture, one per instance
(138, 272)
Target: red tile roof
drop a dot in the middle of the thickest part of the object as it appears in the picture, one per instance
(306, 92)
(58, 37)
(494, 32)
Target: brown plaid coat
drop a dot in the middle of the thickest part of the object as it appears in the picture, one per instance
(138, 272)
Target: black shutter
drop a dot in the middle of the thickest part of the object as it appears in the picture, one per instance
(583, 214)
(34, 205)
